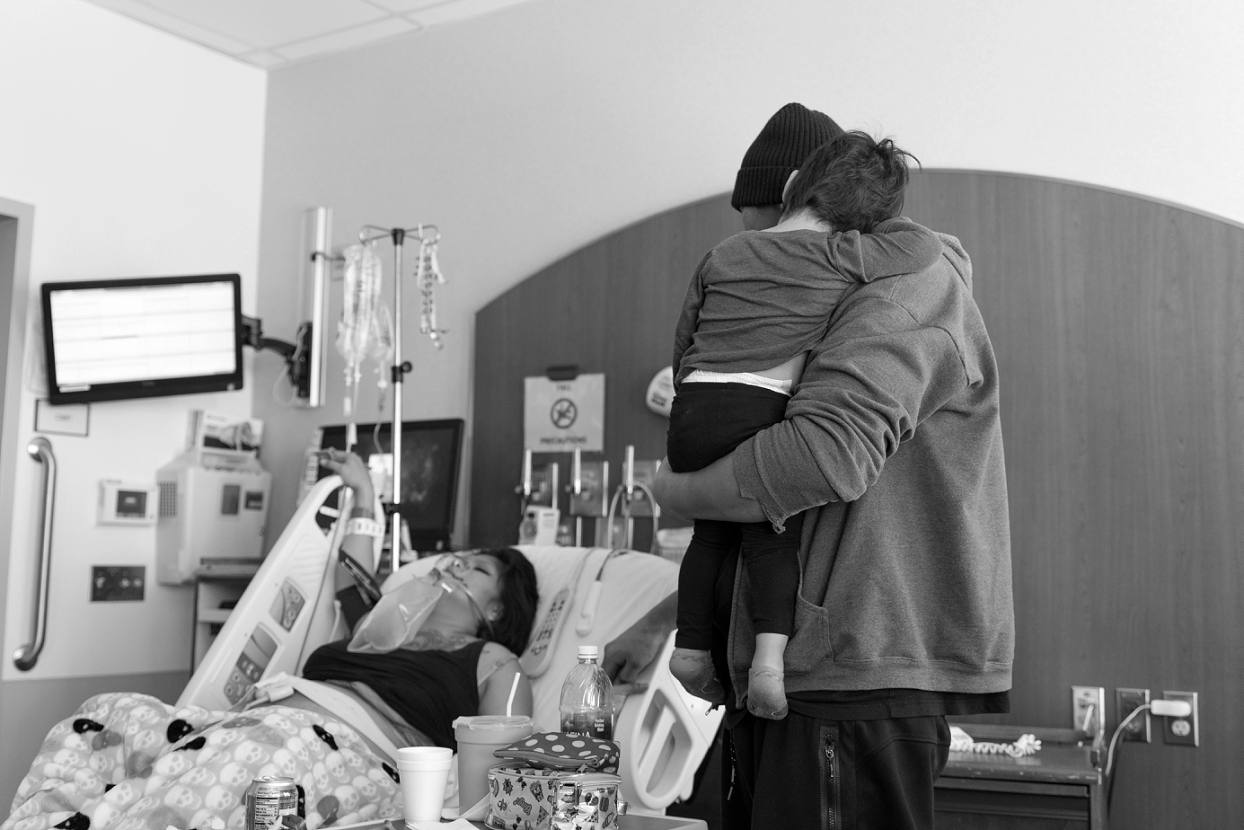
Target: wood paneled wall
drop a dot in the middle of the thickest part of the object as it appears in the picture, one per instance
(1119, 328)
(609, 307)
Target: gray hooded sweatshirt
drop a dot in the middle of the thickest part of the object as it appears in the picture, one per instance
(893, 441)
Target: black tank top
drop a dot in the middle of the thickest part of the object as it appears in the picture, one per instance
(427, 688)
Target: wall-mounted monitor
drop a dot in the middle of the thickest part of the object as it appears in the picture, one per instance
(110, 340)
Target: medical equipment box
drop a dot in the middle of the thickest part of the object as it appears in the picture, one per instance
(213, 506)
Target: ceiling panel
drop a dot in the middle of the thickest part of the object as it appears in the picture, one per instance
(348, 39)
(461, 10)
(271, 33)
(410, 5)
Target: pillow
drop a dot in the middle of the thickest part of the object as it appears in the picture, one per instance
(559, 751)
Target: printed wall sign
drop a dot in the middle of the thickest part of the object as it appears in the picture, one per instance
(559, 415)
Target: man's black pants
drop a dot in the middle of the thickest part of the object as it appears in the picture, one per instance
(802, 773)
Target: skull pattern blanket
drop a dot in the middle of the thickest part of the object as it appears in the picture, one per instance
(126, 761)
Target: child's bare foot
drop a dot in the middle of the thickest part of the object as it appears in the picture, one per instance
(766, 693)
(693, 668)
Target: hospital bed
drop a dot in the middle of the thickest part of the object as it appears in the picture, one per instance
(587, 595)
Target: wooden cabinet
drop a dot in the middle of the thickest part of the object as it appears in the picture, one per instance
(1058, 788)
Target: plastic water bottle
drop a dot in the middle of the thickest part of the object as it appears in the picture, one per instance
(587, 698)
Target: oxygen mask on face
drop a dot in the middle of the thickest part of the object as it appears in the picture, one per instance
(397, 616)
(450, 569)
(395, 620)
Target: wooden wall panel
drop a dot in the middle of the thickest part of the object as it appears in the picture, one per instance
(1119, 328)
(609, 307)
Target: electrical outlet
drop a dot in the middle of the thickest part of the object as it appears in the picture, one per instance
(1183, 731)
(1125, 702)
(1088, 703)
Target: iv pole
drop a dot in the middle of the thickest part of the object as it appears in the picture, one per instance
(399, 369)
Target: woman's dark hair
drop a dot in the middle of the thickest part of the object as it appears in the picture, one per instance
(853, 182)
(519, 599)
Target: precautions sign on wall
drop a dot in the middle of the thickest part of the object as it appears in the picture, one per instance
(559, 415)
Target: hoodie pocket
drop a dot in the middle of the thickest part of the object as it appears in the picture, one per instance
(809, 644)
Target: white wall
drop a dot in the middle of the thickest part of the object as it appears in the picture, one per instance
(533, 131)
(141, 155)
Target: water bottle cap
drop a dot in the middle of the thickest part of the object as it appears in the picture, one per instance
(586, 652)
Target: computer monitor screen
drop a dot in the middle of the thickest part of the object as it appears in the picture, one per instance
(143, 337)
(431, 453)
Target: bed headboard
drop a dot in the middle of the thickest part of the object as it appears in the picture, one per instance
(1118, 322)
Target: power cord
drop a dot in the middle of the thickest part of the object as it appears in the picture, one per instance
(1159, 708)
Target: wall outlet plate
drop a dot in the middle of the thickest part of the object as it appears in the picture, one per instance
(1182, 731)
(1088, 703)
(1125, 702)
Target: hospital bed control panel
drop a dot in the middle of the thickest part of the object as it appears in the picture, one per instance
(287, 604)
(252, 661)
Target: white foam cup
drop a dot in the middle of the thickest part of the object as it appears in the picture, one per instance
(424, 771)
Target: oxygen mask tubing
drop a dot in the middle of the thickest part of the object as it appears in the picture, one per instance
(454, 566)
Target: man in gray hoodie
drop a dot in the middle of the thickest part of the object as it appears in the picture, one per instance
(893, 442)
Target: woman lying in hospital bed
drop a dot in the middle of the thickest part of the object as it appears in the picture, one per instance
(125, 760)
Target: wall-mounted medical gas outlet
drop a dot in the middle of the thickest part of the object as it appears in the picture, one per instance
(1127, 701)
(1186, 730)
(117, 583)
(645, 473)
(593, 496)
(544, 485)
(1088, 705)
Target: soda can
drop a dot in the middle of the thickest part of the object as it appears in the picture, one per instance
(269, 799)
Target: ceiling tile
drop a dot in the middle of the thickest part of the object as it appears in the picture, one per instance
(347, 39)
(266, 23)
(145, 13)
(402, 6)
(266, 33)
(262, 58)
(459, 10)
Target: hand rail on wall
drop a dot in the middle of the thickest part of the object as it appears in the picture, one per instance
(40, 449)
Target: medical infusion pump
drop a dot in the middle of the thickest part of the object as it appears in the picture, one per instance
(213, 505)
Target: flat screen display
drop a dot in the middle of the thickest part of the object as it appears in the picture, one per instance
(431, 452)
(143, 337)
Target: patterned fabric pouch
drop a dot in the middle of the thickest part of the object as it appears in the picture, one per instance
(559, 751)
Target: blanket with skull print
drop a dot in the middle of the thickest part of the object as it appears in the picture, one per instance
(126, 761)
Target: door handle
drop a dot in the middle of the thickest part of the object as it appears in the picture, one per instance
(40, 449)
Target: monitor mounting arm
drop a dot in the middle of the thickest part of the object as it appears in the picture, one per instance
(297, 355)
